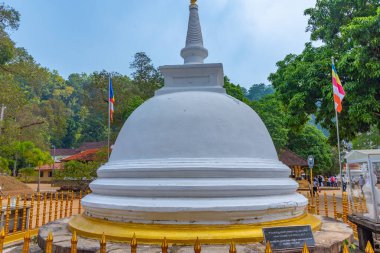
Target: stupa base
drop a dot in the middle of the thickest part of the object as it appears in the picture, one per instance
(181, 234)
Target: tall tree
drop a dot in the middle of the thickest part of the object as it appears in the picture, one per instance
(311, 141)
(9, 19)
(349, 32)
(145, 75)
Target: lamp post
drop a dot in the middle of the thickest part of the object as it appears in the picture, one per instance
(310, 162)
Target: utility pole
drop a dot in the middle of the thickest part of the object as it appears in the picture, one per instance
(3, 107)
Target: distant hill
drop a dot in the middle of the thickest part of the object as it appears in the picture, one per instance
(257, 91)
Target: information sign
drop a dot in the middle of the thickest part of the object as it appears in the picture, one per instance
(292, 237)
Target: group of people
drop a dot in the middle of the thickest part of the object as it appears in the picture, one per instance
(332, 181)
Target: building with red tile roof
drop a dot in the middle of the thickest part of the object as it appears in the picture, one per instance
(84, 156)
(60, 154)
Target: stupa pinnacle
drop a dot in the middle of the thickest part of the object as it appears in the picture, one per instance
(192, 162)
(194, 52)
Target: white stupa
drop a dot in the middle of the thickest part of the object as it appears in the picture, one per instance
(192, 160)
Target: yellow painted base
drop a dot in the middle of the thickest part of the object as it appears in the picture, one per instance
(182, 234)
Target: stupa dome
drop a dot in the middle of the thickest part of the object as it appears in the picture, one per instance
(193, 124)
(194, 151)
(190, 158)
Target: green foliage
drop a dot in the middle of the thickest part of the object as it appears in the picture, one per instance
(9, 17)
(27, 174)
(328, 16)
(4, 163)
(7, 49)
(257, 91)
(145, 75)
(234, 90)
(74, 170)
(37, 157)
(311, 141)
(80, 173)
(369, 140)
(349, 32)
(24, 154)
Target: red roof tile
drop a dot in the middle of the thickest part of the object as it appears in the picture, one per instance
(87, 155)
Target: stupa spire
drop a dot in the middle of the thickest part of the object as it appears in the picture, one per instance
(194, 52)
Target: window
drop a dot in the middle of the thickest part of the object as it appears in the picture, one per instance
(50, 173)
(41, 174)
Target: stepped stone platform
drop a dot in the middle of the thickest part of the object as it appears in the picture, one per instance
(328, 240)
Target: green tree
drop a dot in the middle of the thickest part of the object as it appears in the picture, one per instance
(56, 114)
(27, 174)
(9, 19)
(17, 154)
(257, 91)
(77, 171)
(368, 140)
(4, 163)
(328, 16)
(37, 157)
(235, 90)
(311, 141)
(145, 75)
(349, 32)
(76, 174)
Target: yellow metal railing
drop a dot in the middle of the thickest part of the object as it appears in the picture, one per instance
(133, 245)
(29, 212)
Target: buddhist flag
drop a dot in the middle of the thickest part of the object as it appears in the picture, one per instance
(338, 90)
(111, 100)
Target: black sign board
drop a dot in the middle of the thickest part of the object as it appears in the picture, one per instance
(292, 237)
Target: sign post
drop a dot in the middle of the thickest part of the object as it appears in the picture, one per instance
(310, 162)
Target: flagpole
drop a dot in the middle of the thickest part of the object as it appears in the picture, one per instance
(109, 116)
(338, 139)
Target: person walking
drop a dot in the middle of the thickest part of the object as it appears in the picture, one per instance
(315, 186)
(320, 180)
(344, 182)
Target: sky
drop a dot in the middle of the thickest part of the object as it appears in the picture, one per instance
(83, 36)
